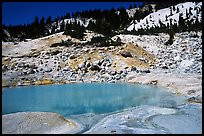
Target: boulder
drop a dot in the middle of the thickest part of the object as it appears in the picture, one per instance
(124, 71)
(88, 64)
(4, 68)
(145, 71)
(95, 68)
(143, 59)
(133, 68)
(126, 54)
(165, 67)
(197, 99)
(108, 64)
(66, 69)
(73, 56)
(113, 73)
(96, 62)
(33, 66)
(31, 71)
(117, 77)
(48, 70)
(80, 66)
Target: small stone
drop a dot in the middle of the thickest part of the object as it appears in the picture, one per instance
(113, 131)
(154, 82)
(113, 73)
(133, 68)
(81, 65)
(145, 71)
(95, 67)
(190, 92)
(194, 99)
(73, 57)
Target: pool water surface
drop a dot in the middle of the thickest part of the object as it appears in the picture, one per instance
(81, 98)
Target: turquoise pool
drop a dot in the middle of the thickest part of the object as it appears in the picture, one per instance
(81, 98)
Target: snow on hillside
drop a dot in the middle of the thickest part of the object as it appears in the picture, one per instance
(131, 12)
(82, 22)
(153, 18)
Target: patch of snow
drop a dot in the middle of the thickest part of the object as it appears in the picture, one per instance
(153, 18)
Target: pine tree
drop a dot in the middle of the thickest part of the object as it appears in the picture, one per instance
(130, 7)
(166, 18)
(171, 11)
(53, 29)
(150, 9)
(182, 25)
(62, 26)
(147, 21)
(190, 13)
(177, 10)
(67, 16)
(36, 22)
(187, 14)
(124, 18)
(42, 21)
(135, 6)
(49, 20)
(42, 29)
(174, 8)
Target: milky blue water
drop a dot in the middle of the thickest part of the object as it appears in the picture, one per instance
(72, 99)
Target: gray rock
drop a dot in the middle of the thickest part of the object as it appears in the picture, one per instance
(145, 71)
(73, 56)
(48, 70)
(197, 99)
(46, 57)
(96, 62)
(55, 52)
(108, 64)
(95, 68)
(143, 59)
(80, 66)
(124, 71)
(21, 64)
(126, 54)
(117, 77)
(31, 71)
(112, 73)
(4, 68)
(66, 68)
(101, 62)
(165, 67)
(33, 66)
(88, 64)
(133, 68)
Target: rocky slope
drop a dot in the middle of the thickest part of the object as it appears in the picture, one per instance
(38, 62)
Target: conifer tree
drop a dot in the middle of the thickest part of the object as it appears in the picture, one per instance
(177, 10)
(62, 26)
(49, 20)
(67, 16)
(130, 7)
